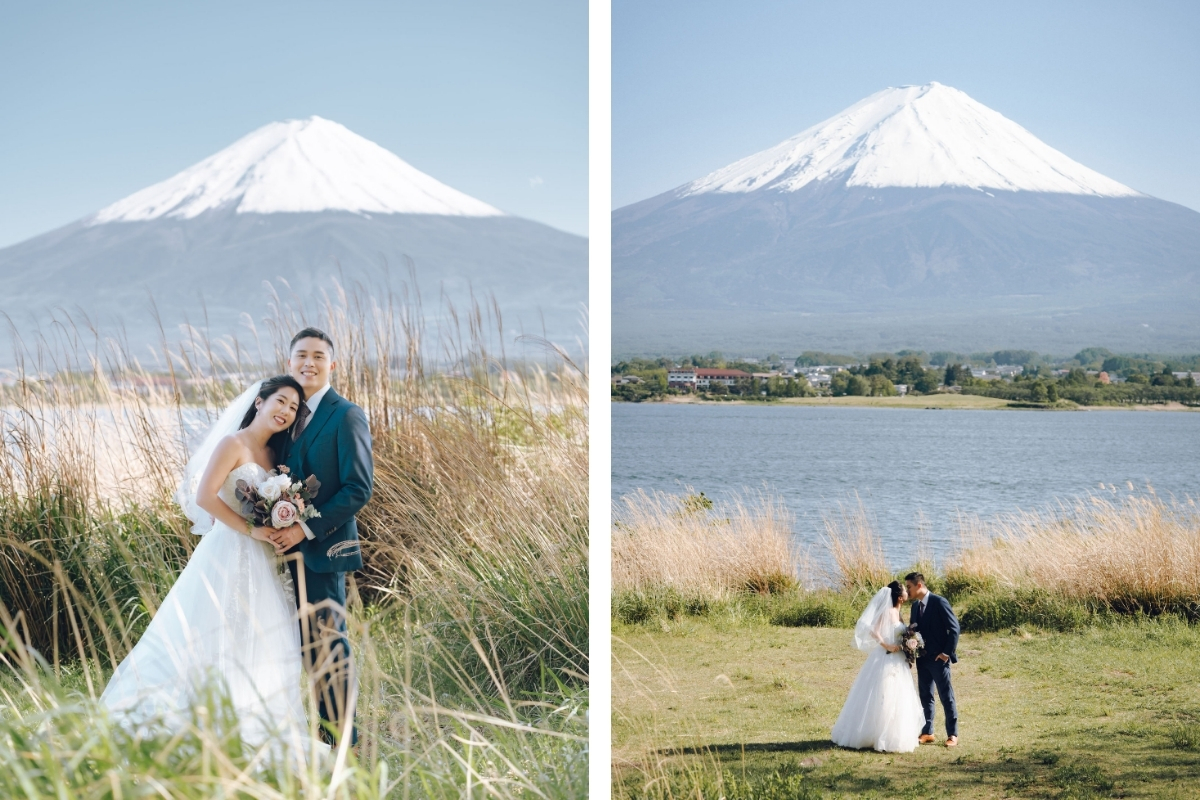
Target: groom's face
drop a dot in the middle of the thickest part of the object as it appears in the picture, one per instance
(310, 363)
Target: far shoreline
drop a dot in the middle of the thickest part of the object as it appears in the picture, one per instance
(936, 402)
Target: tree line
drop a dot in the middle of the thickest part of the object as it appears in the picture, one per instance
(1133, 379)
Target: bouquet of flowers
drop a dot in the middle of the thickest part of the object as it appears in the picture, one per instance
(912, 644)
(277, 500)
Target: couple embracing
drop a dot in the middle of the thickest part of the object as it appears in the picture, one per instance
(883, 711)
(263, 600)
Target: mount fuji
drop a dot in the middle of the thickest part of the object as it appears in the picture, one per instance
(305, 200)
(917, 217)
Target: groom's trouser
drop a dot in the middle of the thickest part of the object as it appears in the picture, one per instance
(325, 646)
(929, 673)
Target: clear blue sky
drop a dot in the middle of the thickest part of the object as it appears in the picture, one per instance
(699, 84)
(98, 100)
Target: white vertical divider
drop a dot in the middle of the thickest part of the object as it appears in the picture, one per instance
(599, 360)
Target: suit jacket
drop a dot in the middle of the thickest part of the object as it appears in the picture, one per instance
(938, 627)
(336, 447)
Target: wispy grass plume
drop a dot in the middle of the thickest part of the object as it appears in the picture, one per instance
(468, 621)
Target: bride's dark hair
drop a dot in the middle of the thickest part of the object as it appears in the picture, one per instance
(269, 387)
(897, 591)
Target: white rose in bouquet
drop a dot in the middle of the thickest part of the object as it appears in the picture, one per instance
(271, 488)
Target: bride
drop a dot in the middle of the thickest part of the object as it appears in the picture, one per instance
(882, 710)
(229, 623)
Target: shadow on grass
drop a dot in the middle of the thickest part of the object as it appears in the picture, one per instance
(774, 770)
(758, 747)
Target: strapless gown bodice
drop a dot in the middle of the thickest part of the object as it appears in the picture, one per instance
(249, 472)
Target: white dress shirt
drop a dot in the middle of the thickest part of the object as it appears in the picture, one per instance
(315, 400)
(312, 404)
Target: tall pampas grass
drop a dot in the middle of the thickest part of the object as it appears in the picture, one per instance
(700, 548)
(468, 621)
(1128, 554)
(855, 548)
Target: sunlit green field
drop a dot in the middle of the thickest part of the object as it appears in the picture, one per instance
(739, 708)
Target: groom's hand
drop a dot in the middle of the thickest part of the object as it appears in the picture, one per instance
(285, 539)
(940, 657)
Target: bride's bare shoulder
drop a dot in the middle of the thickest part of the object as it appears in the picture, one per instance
(231, 451)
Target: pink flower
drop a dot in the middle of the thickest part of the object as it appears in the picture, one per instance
(283, 514)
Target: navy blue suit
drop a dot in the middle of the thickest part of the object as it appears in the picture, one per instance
(335, 446)
(939, 628)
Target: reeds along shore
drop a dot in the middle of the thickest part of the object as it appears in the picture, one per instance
(469, 619)
(1107, 556)
(684, 543)
(1131, 554)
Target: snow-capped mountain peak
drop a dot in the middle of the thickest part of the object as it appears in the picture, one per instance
(914, 136)
(305, 165)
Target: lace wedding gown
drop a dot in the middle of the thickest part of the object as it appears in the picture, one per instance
(229, 623)
(882, 711)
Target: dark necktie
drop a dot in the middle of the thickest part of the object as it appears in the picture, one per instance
(302, 415)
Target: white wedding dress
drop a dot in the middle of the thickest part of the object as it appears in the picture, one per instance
(229, 623)
(882, 711)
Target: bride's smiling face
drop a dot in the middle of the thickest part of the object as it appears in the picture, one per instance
(278, 411)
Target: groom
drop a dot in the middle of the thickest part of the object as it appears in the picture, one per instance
(938, 626)
(331, 440)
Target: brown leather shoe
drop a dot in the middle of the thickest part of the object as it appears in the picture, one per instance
(925, 738)
(952, 741)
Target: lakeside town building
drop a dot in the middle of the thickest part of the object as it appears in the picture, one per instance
(702, 377)
(819, 376)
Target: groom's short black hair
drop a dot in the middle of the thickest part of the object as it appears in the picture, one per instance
(914, 577)
(311, 333)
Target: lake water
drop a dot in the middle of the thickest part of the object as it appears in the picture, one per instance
(911, 468)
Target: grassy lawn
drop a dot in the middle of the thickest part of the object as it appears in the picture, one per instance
(711, 707)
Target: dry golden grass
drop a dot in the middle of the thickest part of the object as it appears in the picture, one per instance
(669, 541)
(469, 619)
(1136, 553)
(855, 549)
(1129, 554)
